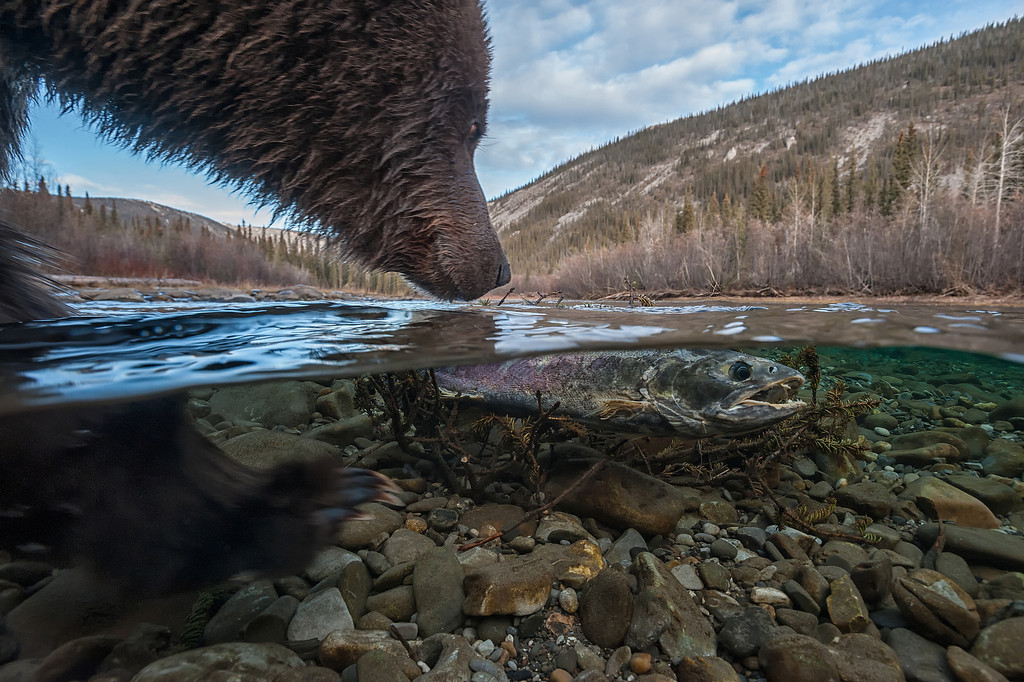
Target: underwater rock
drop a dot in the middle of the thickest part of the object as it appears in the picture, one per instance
(942, 501)
(519, 586)
(1004, 458)
(797, 658)
(865, 658)
(623, 497)
(263, 449)
(343, 648)
(320, 614)
(846, 607)
(937, 607)
(437, 584)
(867, 497)
(995, 494)
(607, 608)
(270, 404)
(920, 659)
(664, 614)
(927, 439)
(978, 545)
(244, 660)
(999, 646)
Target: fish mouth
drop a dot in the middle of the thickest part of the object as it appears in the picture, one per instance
(776, 397)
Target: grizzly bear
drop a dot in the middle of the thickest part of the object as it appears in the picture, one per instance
(358, 118)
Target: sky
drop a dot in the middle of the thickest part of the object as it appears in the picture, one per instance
(571, 75)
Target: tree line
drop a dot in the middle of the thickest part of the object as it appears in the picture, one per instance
(95, 240)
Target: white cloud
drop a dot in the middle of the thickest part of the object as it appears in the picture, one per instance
(571, 75)
(80, 185)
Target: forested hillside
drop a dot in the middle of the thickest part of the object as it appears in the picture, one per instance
(900, 176)
(132, 238)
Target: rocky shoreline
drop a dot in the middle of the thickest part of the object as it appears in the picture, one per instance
(910, 565)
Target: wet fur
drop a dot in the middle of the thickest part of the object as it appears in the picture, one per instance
(358, 117)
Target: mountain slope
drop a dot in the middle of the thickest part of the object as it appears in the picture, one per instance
(802, 141)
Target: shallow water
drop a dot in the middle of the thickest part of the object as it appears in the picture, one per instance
(116, 352)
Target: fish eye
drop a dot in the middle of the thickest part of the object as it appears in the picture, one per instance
(772, 369)
(740, 371)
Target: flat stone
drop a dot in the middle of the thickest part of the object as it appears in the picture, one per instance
(997, 496)
(926, 439)
(797, 658)
(437, 585)
(77, 659)
(330, 561)
(687, 576)
(968, 667)
(241, 660)
(706, 669)
(664, 614)
(355, 585)
(607, 608)
(956, 569)
(362, 533)
(863, 657)
(873, 579)
(621, 549)
(519, 586)
(999, 646)
(978, 545)
(397, 604)
(937, 607)
(559, 526)
(940, 500)
(343, 432)
(271, 625)
(799, 597)
(921, 660)
(270, 403)
(320, 614)
(451, 662)
(1004, 458)
(498, 517)
(381, 666)
(867, 497)
(925, 456)
(226, 625)
(405, 546)
(622, 497)
(744, 634)
(846, 607)
(262, 449)
(850, 554)
(343, 648)
(574, 565)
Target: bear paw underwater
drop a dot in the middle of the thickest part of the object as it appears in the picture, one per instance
(146, 500)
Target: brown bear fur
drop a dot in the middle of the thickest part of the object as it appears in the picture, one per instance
(357, 117)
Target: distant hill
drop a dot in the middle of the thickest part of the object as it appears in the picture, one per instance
(139, 209)
(122, 237)
(910, 140)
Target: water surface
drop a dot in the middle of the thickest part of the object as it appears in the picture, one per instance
(116, 352)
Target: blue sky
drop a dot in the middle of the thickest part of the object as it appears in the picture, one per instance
(569, 75)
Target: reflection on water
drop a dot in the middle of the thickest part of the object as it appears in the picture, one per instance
(126, 351)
